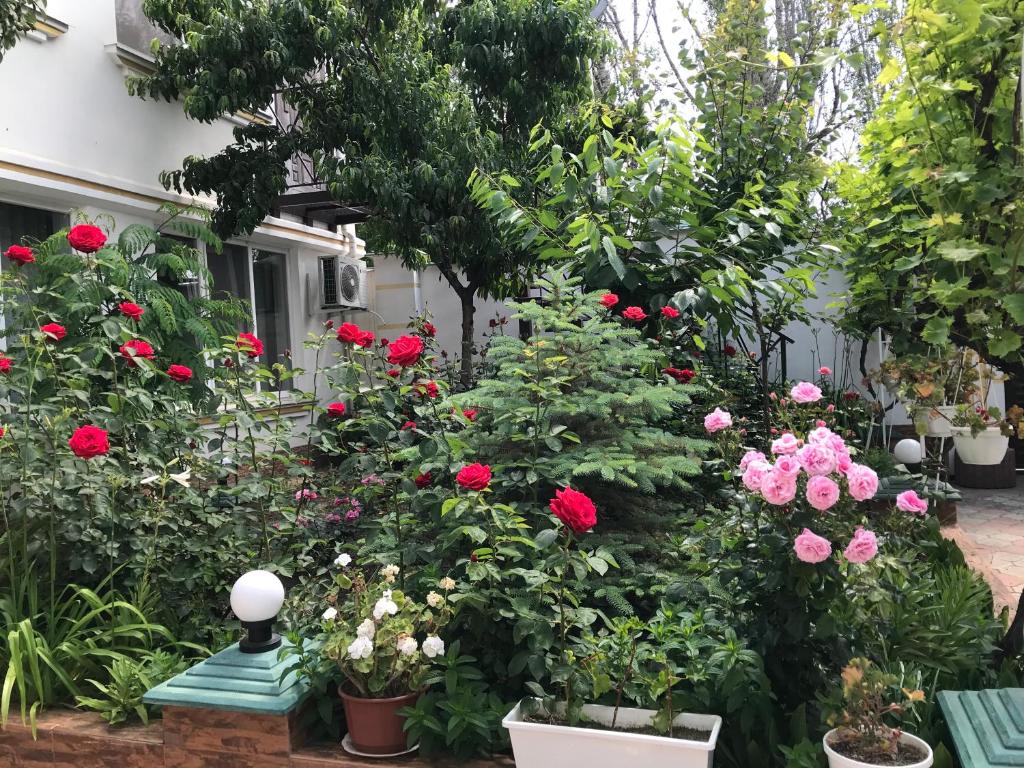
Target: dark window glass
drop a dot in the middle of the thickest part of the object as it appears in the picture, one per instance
(270, 292)
(230, 272)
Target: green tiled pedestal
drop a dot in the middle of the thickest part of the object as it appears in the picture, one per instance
(232, 709)
(987, 726)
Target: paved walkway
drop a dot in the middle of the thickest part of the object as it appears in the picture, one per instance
(990, 531)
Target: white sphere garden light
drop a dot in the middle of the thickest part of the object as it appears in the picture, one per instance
(908, 452)
(256, 598)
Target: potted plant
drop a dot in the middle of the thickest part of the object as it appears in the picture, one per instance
(867, 714)
(622, 663)
(929, 386)
(383, 643)
(980, 434)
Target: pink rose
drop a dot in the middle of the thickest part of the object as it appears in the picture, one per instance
(717, 420)
(817, 459)
(825, 370)
(805, 392)
(820, 436)
(755, 473)
(837, 444)
(830, 408)
(788, 465)
(909, 501)
(862, 482)
(778, 488)
(862, 546)
(822, 492)
(788, 443)
(811, 548)
(843, 463)
(750, 456)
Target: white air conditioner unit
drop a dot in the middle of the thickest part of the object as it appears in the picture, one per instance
(342, 283)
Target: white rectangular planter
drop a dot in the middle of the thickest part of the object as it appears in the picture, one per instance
(540, 745)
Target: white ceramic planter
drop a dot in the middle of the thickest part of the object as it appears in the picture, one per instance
(540, 745)
(938, 421)
(835, 760)
(987, 447)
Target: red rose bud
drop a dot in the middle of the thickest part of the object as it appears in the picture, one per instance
(409, 425)
(336, 410)
(729, 350)
(473, 557)
(430, 329)
(427, 389)
(384, 342)
(470, 413)
(20, 254)
(180, 373)
(609, 300)
(474, 477)
(134, 349)
(574, 509)
(635, 314)
(89, 441)
(394, 372)
(131, 311)
(53, 331)
(328, 324)
(423, 480)
(86, 238)
(249, 344)
(5, 364)
(405, 351)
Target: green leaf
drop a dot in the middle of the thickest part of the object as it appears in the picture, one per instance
(1014, 306)
(936, 330)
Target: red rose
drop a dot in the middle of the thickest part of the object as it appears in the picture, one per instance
(729, 350)
(682, 375)
(349, 333)
(336, 410)
(365, 338)
(635, 314)
(669, 312)
(422, 481)
(609, 300)
(475, 477)
(574, 509)
(849, 395)
(249, 344)
(470, 413)
(2, 432)
(427, 389)
(86, 238)
(405, 351)
(409, 425)
(53, 331)
(383, 342)
(89, 441)
(180, 373)
(20, 254)
(134, 349)
(394, 372)
(430, 329)
(5, 364)
(129, 310)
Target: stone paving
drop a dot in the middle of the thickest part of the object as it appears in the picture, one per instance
(990, 531)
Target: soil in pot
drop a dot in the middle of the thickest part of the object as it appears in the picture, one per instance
(678, 732)
(905, 754)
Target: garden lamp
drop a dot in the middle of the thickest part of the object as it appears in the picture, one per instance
(909, 453)
(256, 598)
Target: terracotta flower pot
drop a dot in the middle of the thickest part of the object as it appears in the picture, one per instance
(374, 725)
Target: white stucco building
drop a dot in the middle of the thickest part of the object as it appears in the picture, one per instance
(74, 144)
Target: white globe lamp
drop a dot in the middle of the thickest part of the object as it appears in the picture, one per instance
(256, 598)
(908, 452)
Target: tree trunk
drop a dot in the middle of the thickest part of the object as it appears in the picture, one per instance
(466, 376)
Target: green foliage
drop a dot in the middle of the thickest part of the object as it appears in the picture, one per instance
(16, 18)
(935, 253)
(120, 698)
(395, 104)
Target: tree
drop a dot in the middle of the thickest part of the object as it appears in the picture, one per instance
(395, 102)
(16, 18)
(937, 254)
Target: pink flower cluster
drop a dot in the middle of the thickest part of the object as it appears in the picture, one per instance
(825, 461)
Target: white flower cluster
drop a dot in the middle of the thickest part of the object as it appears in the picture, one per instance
(407, 646)
(433, 646)
(447, 584)
(434, 600)
(389, 572)
(343, 560)
(367, 629)
(330, 614)
(385, 606)
(361, 648)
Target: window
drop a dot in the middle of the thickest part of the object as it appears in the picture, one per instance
(18, 223)
(259, 278)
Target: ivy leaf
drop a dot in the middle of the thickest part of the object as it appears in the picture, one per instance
(936, 330)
